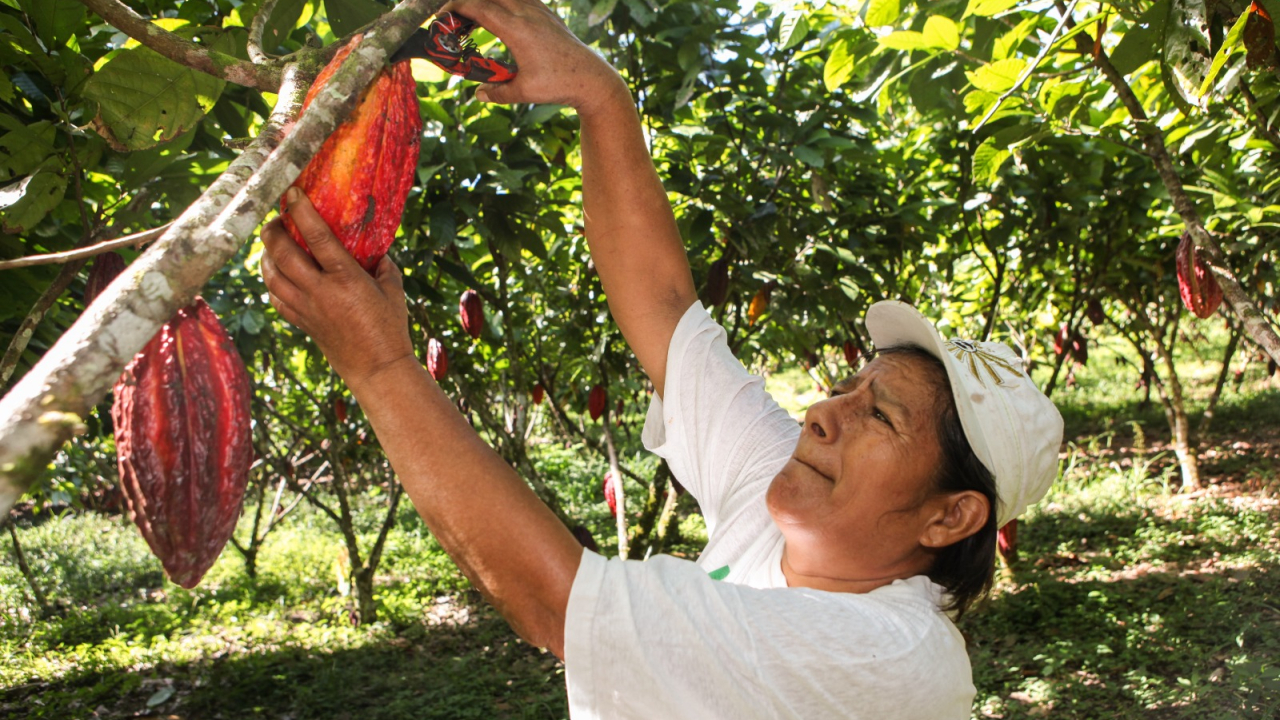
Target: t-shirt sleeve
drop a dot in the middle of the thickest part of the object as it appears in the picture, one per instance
(659, 639)
(721, 432)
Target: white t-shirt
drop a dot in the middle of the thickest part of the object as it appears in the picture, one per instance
(725, 637)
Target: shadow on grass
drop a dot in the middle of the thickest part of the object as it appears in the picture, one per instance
(475, 669)
(1139, 617)
(1235, 414)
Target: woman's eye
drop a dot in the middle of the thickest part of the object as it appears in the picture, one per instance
(881, 417)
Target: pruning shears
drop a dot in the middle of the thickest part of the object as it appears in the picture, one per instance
(447, 43)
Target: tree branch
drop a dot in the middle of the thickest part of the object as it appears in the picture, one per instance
(86, 252)
(28, 327)
(258, 26)
(184, 51)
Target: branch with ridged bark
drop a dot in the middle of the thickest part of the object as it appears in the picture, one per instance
(45, 408)
(181, 50)
(1258, 327)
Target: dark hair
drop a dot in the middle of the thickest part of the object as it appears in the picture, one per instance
(964, 568)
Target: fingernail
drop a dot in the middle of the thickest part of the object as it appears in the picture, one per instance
(293, 194)
(482, 95)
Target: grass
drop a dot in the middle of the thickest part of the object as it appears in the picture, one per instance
(1128, 601)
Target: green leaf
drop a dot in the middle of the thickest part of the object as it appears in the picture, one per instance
(347, 16)
(443, 227)
(600, 11)
(808, 156)
(987, 8)
(904, 40)
(941, 32)
(25, 203)
(1138, 46)
(145, 99)
(987, 160)
(999, 76)
(840, 64)
(6, 88)
(792, 29)
(882, 12)
(55, 20)
(977, 102)
(282, 22)
(25, 149)
(1229, 45)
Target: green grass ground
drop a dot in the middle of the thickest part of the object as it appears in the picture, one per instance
(1128, 601)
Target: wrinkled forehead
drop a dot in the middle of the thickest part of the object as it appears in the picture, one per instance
(911, 374)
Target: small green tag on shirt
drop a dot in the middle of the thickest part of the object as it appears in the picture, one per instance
(719, 574)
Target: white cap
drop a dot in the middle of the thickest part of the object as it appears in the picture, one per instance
(1013, 428)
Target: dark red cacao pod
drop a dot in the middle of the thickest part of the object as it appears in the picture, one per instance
(1095, 313)
(183, 441)
(1007, 541)
(1079, 349)
(851, 353)
(538, 392)
(1199, 289)
(106, 267)
(361, 176)
(584, 536)
(718, 281)
(340, 410)
(610, 494)
(596, 400)
(437, 359)
(471, 310)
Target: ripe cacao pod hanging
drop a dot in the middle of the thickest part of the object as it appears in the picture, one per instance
(851, 353)
(106, 267)
(1060, 340)
(183, 441)
(1271, 368)
(1198, 288)
(610, 494)
(538, 391)
(361, 176)
(1094, 312)
(718, 281)
(437, 359)
(1079, 349)
(759, 304)
(1007, 541)
(340, 409)
(471, 310)
(595, 401)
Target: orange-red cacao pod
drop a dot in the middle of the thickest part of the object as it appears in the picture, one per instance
(361, 176)
(1061, 340)
(595, 401)
(1007, 541)
(106, 267)
(759, 304)
(1199, 288)
(183, 440)
(471, 310)
(538, 392)
(610, 495)
(437, 359)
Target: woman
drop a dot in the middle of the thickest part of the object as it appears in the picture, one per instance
(836, 547)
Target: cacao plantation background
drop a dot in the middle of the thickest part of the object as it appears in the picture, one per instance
(1020, 170)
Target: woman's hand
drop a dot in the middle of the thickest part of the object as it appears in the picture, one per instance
(553, 65)
(359, 322)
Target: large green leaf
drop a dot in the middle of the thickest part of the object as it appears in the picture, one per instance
(999, 76)
(25, 149)
(941, 33)
(55, 20)
(791, 29)
(347, 16)
(840, 64)
(882, 12)
(26, 202)
(987, 8)
(145, 99)
(1139, 44)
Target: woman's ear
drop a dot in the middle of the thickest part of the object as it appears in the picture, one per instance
(957, 516)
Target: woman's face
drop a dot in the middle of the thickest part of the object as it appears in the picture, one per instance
(852, 500)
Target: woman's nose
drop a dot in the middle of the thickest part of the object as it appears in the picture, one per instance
(825, 419)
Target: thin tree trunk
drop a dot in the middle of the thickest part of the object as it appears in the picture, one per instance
(1184, 445)
(42, 604)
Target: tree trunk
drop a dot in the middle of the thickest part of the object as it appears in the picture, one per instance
(42, 605)
(1184, 445)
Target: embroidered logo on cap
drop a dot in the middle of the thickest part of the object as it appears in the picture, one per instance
(982, 362)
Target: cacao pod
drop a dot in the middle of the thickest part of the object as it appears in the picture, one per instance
(1259, 37)
(1198, 288)
(1079, 349)
(718, 281)
(537, 394)
(471, 310)
(851, 353)
(1060, 340)
(610, 494)
(582, 534)
(1094, 312)
(437, 359)
(361, 176)
(340, 410)
(595, 401)
(106, 267)
(1271, 368)
(759, 304)
(183, 441)
(1007, 541)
